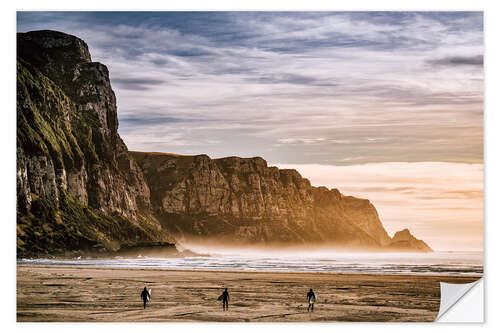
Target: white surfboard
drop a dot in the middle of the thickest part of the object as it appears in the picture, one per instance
(149, 296)
(314, 298)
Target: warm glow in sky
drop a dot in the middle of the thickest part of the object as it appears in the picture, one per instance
(440, 202)
(382, 105)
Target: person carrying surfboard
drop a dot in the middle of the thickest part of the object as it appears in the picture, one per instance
(225, 300)
(145, 295)
(311, 298)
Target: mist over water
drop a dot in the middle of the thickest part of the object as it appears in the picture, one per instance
(441, 263)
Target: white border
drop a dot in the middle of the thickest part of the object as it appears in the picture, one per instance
(492, 165)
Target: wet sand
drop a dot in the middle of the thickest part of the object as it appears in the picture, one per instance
(83, 294)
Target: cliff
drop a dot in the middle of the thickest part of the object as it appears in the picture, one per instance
(243, 201)
(78, 186)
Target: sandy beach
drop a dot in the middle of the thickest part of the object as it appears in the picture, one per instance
(48, 293)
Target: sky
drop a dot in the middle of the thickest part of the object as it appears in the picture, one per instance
(383, 105)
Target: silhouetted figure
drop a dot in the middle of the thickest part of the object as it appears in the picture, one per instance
(145, 296)
(225, 300)
(311, 298)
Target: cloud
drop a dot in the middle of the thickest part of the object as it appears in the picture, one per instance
(134, 120)
(301, 140)
(286, 78)
(266, 83)
(458, 61)
(190, 52)
(136, 83)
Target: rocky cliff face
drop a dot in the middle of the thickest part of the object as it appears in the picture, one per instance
(78, 186)
(69, 153)
(242, 200)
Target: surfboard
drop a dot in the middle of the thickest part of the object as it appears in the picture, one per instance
(220, 298)
(149, 296)
(313, 299)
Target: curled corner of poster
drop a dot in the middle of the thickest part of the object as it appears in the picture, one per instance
(462, 303)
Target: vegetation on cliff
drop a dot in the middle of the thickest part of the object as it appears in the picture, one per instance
(71, 226)
(71, 192)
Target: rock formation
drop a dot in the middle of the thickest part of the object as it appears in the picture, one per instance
(78, 186)
(242, 200)
(404, 241)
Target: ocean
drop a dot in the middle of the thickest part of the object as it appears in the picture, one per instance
(437, 263)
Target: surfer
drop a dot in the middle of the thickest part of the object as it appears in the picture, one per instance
(145, 296)
(225, 300)
(311, 298)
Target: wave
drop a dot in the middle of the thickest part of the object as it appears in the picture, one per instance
(441, 263)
